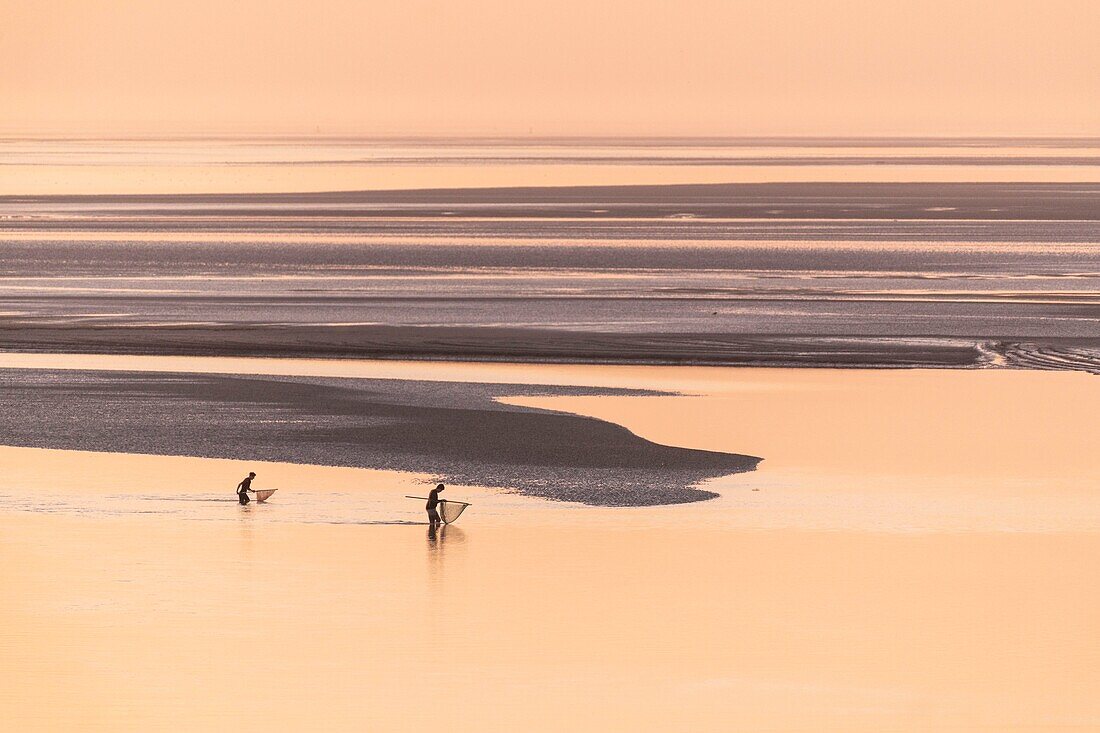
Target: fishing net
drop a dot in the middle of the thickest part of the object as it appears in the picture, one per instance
(262, 494)
(449, 511)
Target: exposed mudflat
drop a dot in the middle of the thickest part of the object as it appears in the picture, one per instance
(455, 431)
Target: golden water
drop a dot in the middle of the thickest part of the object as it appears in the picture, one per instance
(920, 555)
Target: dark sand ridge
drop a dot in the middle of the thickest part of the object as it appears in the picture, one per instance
(670, 226)
(833, 200)
(508, 344)
(455, 431)
(715, 213)
(78, 253)
(574, 347)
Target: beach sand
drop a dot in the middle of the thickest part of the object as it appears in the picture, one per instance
(888, 574)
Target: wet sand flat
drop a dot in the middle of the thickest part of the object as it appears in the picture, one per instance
(457, 431)
(849, 273)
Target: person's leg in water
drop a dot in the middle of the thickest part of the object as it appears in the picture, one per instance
(243, 497)
(433, 518)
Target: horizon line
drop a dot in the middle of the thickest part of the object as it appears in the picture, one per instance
(15, 135)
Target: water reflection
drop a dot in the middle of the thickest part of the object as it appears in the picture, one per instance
(438, 541)
(246, 529)
(438, 535)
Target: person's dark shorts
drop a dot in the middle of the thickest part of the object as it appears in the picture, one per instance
(243, 498)
(433, 516)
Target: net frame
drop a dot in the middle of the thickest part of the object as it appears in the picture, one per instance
(262, 495)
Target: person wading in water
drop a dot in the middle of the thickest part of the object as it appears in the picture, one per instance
(431, 506)
(244, 487)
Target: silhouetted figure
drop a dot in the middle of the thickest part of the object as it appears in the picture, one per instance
(432, 506)
(244, 487)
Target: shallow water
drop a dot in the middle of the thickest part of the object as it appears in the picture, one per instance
(252, 626)
(928, 573)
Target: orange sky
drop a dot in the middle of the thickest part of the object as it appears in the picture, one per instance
(567, 67)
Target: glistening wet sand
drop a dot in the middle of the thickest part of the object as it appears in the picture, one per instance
(845, 274)
(456, 431)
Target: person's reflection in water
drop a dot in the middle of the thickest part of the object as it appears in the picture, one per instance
(439, 536)
(435, 555)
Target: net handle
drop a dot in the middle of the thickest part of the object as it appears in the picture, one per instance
(450, 500)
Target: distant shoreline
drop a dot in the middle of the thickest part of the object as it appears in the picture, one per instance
(839, 200)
